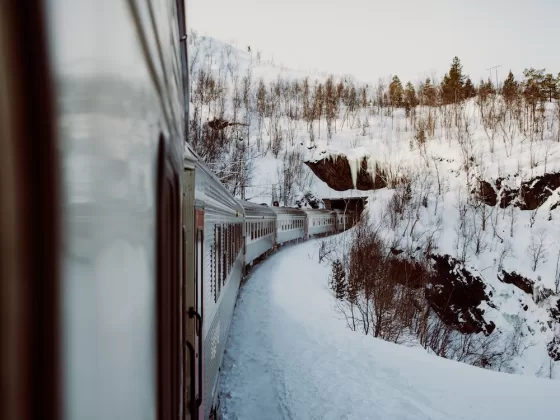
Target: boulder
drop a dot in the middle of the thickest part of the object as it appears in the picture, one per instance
(522, 283)
(455, 295)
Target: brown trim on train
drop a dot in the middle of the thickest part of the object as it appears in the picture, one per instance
(168, 287)
(30, 368)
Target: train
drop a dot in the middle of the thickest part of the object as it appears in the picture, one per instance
(232, 236)
(122, 253)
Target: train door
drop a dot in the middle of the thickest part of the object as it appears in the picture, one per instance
(193, 239)
(199, 309)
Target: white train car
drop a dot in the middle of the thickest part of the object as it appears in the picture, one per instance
(319, 222)
(290, 224)
(259, 230)
(219, 269)
(344, 220)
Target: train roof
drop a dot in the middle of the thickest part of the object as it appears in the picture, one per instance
(288, 210)
(256, 210)
(189, 156)
(317, 211)
(210, 190)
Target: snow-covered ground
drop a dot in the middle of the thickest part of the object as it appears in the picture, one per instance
(290, 357)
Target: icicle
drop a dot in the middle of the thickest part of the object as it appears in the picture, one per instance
(354, 170)
(371, 168)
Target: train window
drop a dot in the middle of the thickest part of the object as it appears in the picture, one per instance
(233, 245)
(219, 261)
(238, 239)
(225, 253)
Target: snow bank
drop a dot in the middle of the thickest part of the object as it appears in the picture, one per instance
(290, 356)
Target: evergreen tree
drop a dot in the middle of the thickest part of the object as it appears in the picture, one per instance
(510, 88)
(485, 89)
(338, 280)
(396, 92)
(453, 83)
(352, 290)
(533, 91)
(550, 89)
(410, 99)
(429, 93)
(468, 90)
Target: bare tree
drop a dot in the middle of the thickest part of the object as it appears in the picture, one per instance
(537, 248)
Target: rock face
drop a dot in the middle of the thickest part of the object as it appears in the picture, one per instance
(517, 280)
(530, 196)
(554, 349)
(338, 175)
(488, 195)
(455, 294)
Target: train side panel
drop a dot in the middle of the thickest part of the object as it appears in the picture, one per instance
(290, 224)
(223, 267)
(320, 222)
(117, 74)
(260, 222)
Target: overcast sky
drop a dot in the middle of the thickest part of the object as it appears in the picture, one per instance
(372, 39)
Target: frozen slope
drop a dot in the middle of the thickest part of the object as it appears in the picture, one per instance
(290, 357)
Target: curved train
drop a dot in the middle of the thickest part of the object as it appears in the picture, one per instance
(122, 253)
(231, 236)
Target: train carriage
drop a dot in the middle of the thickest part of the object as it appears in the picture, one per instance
(219, 233)
(259, 230)
(290, 224)
(319, 222)
(343, 220)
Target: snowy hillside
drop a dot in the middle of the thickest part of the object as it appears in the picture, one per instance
(469, 188)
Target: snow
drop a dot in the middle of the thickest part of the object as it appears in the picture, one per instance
(437, 171)
(290, 356)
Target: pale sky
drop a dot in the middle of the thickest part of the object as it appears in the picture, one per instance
(372, 38)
